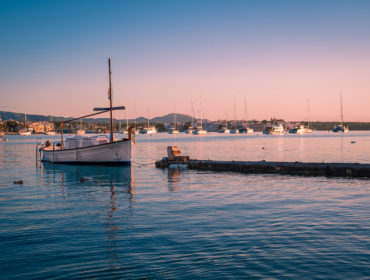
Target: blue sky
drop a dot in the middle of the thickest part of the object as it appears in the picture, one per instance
(165, 53)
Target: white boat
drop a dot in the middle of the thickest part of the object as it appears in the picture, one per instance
(173, 129)
(302, 129)
(50, 133)
(275, 129)
(234, 129)
(189, 130)
(245, 128)
(81, 149)
(89, 150)
(25, 132)
(149, 130)
(199, 131)
(340, 127)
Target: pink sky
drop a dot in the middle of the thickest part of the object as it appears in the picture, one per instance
(165, 54)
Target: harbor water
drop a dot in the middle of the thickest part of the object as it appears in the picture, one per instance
(139, 222)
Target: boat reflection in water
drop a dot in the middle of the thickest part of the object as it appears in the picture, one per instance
(102, 195)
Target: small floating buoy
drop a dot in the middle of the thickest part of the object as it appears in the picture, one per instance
(263, 148)
(353, 142)
(83, 179)
(20, 182)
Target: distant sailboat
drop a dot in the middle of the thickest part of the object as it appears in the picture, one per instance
(173, 130)
(26, 131)
(341, 127)
(303, 129)
(234, 129)
(246, 128)
(80, 130)
(149, 129)
(223, 128)
(199, 130)
(190, 128)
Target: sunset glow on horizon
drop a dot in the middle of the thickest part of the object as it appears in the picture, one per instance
(165, 54)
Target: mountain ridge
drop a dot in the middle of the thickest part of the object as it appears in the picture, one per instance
(169, 118)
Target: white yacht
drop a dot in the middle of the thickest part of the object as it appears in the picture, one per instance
(275, 129)
(199, 131)
(302, 129)
(173, 129)
(25, 132)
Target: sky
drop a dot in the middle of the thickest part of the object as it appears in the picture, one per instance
(166, 55)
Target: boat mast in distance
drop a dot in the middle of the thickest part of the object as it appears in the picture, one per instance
(110, 101)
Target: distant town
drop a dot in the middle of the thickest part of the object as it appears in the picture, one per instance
(37, 124)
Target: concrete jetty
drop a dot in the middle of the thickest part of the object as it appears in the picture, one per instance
(351, 170)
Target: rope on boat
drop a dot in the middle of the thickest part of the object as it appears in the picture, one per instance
(146, 164)
(142, 164)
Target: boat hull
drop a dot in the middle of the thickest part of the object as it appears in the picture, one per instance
(116, 153)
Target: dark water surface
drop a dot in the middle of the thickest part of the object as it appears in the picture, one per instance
(78, 222)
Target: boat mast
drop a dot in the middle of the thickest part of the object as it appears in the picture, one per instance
(147, 111)
(135, 118)
(234, 113)
(192, 113)
(245, 112)
(308, 113)
(110, 102)
(341, 108)
(201, 114)
(126, 120)
(174, 119)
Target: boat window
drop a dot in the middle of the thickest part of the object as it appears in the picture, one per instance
(71, 144)
(87, 143)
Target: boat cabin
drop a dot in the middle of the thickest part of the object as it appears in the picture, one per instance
(80, 141)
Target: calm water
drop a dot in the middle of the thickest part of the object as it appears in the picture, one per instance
(71, 222)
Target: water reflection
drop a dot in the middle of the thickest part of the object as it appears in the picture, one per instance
(173, 176)
(112, 189)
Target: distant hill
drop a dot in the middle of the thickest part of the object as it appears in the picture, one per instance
(170, 118)
(33, 118)
(41, 118)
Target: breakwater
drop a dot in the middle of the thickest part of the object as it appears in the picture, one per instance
(351, 170)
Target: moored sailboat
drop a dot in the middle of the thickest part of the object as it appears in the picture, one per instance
(173, 130)
(340, 127)
(82, 149)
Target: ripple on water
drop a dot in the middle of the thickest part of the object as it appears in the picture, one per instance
(136, 223)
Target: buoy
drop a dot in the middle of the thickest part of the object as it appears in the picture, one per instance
(20, 182)
(83, 179)
(353, 142)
